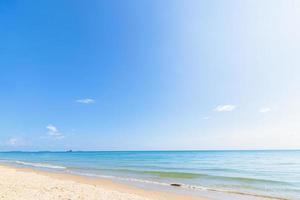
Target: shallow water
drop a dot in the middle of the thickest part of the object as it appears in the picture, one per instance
(244, 174)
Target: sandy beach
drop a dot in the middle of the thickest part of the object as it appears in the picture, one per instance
(28, 184)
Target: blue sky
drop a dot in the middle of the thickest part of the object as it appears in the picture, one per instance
(142, 75)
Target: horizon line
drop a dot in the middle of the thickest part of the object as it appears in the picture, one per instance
(74, 151)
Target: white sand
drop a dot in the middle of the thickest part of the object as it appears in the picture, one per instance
(18, 184)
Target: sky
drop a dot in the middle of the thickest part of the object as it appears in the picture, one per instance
(149, 75)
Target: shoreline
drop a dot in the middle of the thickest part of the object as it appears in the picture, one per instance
(70, 185)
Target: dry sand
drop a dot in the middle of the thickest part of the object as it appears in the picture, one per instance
(28, 184)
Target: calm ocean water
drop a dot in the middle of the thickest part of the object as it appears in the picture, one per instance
(237, 174)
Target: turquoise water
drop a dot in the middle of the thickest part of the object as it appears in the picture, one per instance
(240, 174)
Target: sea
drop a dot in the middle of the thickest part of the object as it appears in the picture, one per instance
(241, 175)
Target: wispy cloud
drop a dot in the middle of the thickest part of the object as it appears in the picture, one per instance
(86, 101)
(225, 108)
(265, 110)
(53, 132)
(15, 141)
(206, 117)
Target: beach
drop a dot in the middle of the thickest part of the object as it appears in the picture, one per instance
(218, 175)
(28, 184)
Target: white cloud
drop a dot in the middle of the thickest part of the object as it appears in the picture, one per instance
(86, 101)
(53, 132)
(52, 128)
(225, 108)
(264, 110)
(206, 117)
(14, 141)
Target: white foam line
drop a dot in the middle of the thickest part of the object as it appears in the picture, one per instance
(43, 165)
(186, 186)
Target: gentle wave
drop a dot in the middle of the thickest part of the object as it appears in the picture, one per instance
(165, 174)
(188, 175)
(119, 178)
(186, 186)
(169, 174)
(42, 165)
